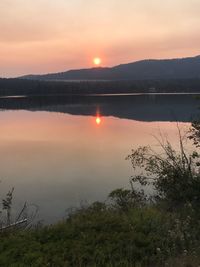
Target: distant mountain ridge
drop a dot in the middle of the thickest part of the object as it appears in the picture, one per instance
(178, 68)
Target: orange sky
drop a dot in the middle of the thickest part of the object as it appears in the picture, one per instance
(40, 36)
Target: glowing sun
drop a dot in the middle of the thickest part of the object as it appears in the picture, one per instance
(97, 61)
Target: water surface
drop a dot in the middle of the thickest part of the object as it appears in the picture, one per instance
(56, 156)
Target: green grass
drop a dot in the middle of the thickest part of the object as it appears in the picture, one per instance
(103, 236)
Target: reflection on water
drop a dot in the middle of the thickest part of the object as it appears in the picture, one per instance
(140, 107)
(98, 120)
(56, 159)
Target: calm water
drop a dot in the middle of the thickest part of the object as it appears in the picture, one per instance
(56, 156)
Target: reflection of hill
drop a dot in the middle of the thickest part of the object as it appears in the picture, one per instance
(141, 107)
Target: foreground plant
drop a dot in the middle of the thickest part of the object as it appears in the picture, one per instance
(21, 220)
(173, 176)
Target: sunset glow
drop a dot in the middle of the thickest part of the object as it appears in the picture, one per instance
(97, 61)
(44, 36)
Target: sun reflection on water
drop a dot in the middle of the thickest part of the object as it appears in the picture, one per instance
(98, 120)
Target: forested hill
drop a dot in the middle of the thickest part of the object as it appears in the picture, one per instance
(10, 87)
(183, 68)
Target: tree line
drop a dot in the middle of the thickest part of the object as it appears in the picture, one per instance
(10, 87)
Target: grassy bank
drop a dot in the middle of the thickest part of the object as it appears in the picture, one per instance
(106, 235)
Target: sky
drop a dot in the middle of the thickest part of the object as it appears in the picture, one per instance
(43, 36)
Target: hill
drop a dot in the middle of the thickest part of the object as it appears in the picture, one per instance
(183, 68)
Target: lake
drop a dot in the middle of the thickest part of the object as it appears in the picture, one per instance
(57, 154)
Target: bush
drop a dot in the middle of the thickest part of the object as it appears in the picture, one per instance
(175, 177)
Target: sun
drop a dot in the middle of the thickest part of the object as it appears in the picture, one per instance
(97, 61)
